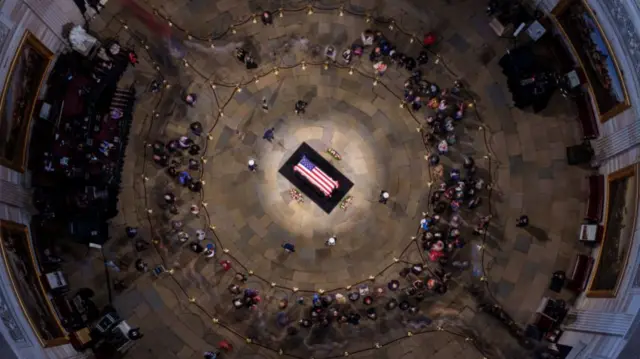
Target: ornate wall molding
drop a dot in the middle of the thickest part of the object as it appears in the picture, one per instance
(9, 321)
(621, 21)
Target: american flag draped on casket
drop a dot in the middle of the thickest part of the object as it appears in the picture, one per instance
(316, 176)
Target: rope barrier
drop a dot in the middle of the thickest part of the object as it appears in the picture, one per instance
(393, 25)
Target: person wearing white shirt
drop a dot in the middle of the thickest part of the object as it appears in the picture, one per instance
(367, 37)
(331, 241)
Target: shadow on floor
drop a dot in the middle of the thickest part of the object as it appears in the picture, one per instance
(537, 233)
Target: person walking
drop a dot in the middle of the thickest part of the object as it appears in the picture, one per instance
(269, 134)
(289, 247)
(265, 105)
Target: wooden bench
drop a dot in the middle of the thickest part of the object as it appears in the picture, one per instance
(586, 117)
(579, 278)
(595, 203)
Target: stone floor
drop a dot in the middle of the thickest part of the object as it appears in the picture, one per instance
(253, 213)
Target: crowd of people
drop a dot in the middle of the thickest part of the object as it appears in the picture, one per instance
(440, 238)
(440, 109)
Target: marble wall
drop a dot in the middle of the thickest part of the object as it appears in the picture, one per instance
(620, 21)
(45, 19)
(618, 147)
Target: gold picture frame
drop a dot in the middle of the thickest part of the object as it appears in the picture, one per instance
(20, 264)
(19, 97)
(610, 266)
(604, 111)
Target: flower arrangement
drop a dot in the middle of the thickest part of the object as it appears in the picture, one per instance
(333, 153)
(346, 203)
(296, 195)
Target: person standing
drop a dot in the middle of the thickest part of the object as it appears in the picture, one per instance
(211, 355)
(226, 265)
(196, 128)
(289, 247)
(195, 210)
(367, 38)
(253, 166)
(346, 56)
(210, 250)
(169, 198)
(330, 53)
(423, 58)
(132, 232)
(384, 197)
(267, 18)
(196, 247)
(225, 345)
(191, 99)
(429, 40)
(194, 165)
(522, 221)
(331, 241)
(300, 107)
(95, 5)
(141, 266)
(380, 68)
(194, 150)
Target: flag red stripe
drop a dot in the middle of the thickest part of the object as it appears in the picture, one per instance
(324, 178)
(318, 178)
(313, 178)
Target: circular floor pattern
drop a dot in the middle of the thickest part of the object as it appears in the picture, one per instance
(378, 140)
(335, 96)
(253, 214)
(381, 149)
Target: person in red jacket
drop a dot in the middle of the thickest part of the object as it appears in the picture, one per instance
(226, 265)
(429, 39)
(225, 345)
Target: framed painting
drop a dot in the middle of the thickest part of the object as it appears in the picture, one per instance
(17, 253)
(590, 46)
(19, 96)
(620, 222)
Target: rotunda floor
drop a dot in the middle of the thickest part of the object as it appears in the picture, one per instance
(249, 215)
